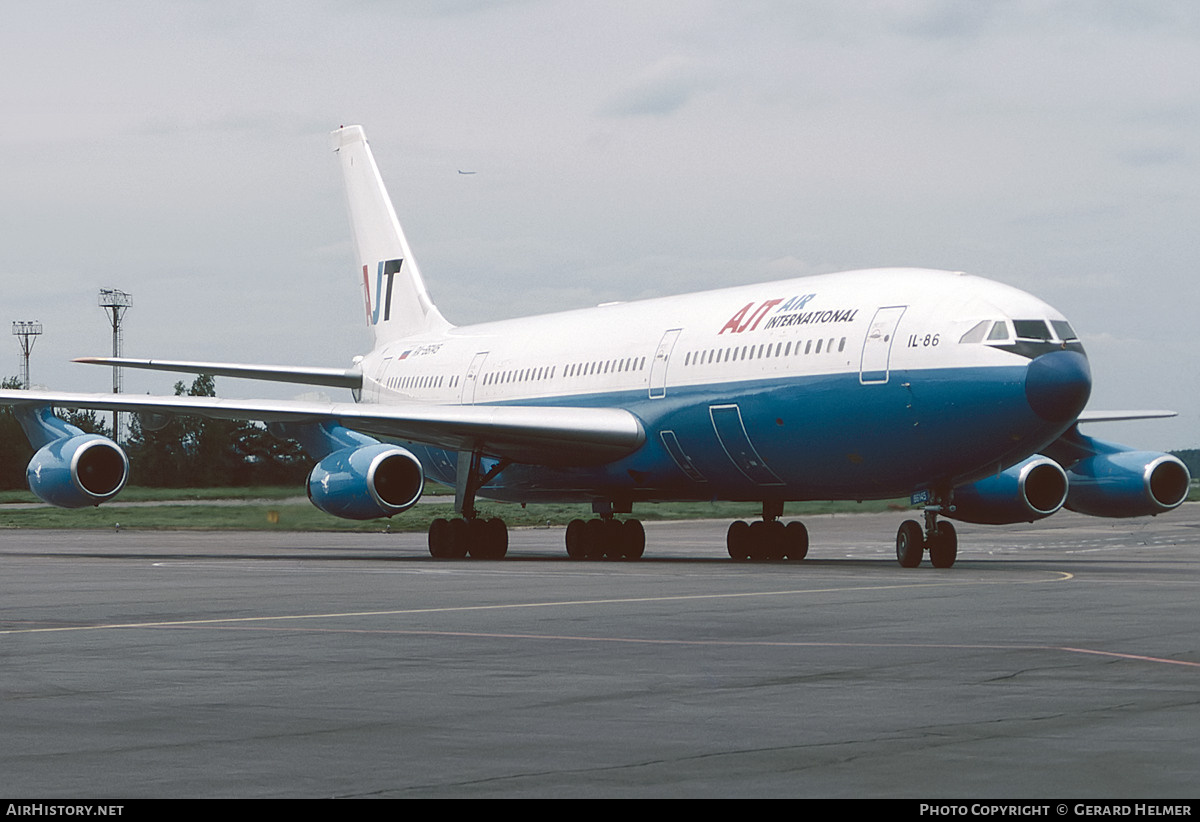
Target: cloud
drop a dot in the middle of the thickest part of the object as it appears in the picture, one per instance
(1151, 155)
(660, 90)
(940, 19)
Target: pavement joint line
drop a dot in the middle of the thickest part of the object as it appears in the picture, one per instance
(1063, 576)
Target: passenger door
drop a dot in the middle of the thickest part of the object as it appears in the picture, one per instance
(877, 348)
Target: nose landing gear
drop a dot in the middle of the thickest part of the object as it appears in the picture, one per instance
(939, 538)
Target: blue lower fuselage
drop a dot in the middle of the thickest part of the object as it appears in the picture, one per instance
(798, 438)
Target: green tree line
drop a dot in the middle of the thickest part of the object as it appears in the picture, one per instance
(185, 452)
(1190, 458)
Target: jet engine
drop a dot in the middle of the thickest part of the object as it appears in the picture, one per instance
(366, 482)
(1127, 484)
(1028, 491)
(74, 472)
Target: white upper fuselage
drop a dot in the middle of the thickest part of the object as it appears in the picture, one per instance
(802, 327)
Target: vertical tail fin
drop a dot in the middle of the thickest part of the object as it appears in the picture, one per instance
(397, 303)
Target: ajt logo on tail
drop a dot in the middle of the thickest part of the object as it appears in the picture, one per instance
(389, 269)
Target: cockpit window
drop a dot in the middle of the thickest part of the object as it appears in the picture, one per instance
(1038, 331)
(1064, 331)
(1032, 330)
(975, 334)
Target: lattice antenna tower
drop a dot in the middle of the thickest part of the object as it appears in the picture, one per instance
(27, 333)
(115, 303)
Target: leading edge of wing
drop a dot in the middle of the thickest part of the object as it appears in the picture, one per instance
(333, 377)
(544, 435)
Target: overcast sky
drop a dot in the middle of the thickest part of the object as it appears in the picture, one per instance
(179, 151)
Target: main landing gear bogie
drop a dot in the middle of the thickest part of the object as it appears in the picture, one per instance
(605, 538)
(767, 540)
(470, 534)
(476, 537)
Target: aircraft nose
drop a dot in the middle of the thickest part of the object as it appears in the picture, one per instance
(1057, 385)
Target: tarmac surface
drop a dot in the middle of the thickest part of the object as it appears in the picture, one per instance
(1055, 660)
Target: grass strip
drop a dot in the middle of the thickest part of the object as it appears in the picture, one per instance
(261, 512)
(268, 516)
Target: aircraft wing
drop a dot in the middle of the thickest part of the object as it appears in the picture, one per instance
(333, 377)
(528, 434)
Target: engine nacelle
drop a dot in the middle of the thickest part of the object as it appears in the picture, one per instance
(1028, 491)
(75, 472)
(366, 482)
(1128, 484)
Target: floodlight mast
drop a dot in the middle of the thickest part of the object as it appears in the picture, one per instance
(27, 332)
(115, 302)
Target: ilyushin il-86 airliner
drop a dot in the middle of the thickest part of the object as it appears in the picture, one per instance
(961, 393)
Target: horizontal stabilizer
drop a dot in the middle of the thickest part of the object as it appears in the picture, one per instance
(1122, 416)
(528, 434)
(334, 377)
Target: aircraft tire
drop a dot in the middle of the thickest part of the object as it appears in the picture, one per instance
(943, 546)
(459, 532)
(910, 544)
(756, 545)
(488, 538)
(499, 531)
(615, 540)
(477, 539)
(737, 540)
(633, 535)
(575, 539)
(774, 537)
(439, 538)
(796, 540)
(594, 537)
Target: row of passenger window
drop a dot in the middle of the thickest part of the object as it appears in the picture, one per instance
(619, 366)
(628, 364)
(582, 369)
(763, 350)
(420, 381)
(519, 375)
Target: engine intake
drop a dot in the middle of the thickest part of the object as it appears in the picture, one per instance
(75, 472)
(1128, 484)
(366, 482)
(1028, 491)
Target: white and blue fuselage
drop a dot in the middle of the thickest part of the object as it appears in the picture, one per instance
(858, 385)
